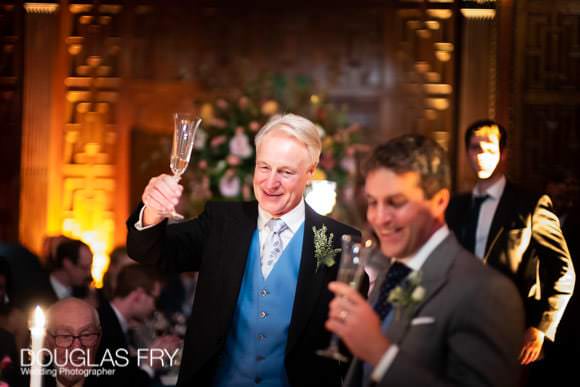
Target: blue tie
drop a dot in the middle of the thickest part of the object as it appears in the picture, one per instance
(396, 274)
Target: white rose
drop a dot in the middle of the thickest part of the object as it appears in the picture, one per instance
(418, 293)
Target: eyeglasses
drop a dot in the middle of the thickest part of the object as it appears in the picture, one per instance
(65, 340)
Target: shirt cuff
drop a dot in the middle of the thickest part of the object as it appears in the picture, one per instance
(139, 224)
(384, 364)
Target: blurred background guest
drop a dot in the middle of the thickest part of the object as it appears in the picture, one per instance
(70, 272)
(118, 260)
(12, 319)
(132, 303)
(73, 336)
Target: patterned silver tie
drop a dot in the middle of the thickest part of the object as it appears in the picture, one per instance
(274, 246)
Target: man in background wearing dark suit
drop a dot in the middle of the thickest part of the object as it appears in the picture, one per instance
(133, 301)
(261, 300)
(70, 272)
(517, 233)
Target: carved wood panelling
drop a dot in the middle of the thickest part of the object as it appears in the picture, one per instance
(552, 140)
(553, 50)
(220, 49)
(10, 114)
(91, 115)
(426, 59)
(547, 121)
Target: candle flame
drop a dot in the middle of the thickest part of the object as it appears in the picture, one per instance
(39, 320)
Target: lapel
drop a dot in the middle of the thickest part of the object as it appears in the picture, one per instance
(458, 221)
(310, 281)
(237, 238)
(500, 218)
(434, 275)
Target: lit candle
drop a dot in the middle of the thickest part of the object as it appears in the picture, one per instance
(37, 332)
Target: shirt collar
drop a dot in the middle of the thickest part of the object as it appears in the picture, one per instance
(494, 191)
(416, 260)
(293, 219)
(62, 291)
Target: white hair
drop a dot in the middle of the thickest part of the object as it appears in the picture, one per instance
(298, 127)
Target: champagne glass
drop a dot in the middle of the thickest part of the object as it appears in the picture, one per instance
(350, 271)
(376, 266)
(186, 125)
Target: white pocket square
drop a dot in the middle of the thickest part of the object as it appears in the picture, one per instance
(422, 320)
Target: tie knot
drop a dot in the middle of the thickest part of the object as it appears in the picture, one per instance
(478, 200)
(277, 225)
(398, 271)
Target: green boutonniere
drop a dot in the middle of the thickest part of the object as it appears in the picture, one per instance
(323, 250)
(408, 294)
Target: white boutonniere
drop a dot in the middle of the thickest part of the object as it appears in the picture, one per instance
(408, 294)
(323, 250)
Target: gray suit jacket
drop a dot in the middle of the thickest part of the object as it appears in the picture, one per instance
(467, 331)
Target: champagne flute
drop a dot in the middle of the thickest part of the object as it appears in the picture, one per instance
(376, 266)
(350, 271)
(186, 125)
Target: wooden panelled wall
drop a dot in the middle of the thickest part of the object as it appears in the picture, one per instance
(11, 74)
(95, 71)
(547, 87)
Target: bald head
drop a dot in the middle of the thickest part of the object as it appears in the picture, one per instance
(72, 313)
(74, 334)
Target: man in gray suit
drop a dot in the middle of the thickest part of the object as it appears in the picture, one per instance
(447, 318)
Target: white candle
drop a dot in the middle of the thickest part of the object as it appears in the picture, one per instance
(37, 333)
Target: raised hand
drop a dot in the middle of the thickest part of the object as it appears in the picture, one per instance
(160, 197)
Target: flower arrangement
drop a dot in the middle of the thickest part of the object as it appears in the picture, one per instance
(222, 162)
(223, 158)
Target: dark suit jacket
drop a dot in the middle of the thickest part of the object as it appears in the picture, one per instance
(216, 244)
(114, 339)
(467, 330)
(526, 243)
(30, 281)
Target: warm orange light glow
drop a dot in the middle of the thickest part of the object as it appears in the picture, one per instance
(100, 241)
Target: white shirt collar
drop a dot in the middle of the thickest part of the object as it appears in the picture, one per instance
(122, 320)
(494, 191)
(293, 219)
(62, 291)
(416, 260)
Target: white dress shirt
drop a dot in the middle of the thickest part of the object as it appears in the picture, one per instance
(486, 213)
(62, 291)
(415, 262)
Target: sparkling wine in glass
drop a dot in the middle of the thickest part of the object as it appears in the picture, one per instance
(186, 125)
(350, 271)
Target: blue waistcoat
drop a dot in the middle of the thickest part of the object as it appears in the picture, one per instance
(256, 343)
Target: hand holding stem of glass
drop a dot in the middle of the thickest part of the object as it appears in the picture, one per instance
(186, 125)
(350, 271)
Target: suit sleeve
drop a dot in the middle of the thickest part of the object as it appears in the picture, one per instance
(556, 271)
(171, 247)
(482, 342)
